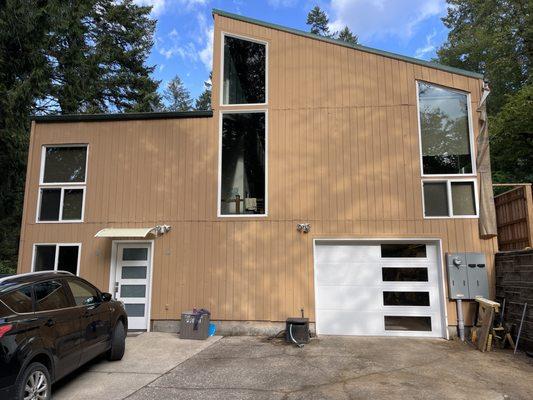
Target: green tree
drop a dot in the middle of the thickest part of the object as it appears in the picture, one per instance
(511, 132)
(318, 20)
(203, 102)
(177, 96)
(348, 36)
(495, 37)
(64, 57)
(98, 50)
(24, 72)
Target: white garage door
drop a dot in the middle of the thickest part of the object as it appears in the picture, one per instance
(377, 289)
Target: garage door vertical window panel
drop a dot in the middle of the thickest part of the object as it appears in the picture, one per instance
(412, 306)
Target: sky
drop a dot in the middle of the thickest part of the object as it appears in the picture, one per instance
(184, 34)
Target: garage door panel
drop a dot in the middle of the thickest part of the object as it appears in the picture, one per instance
(331, 254)
(349, 298)
(350, 323)
(348, 274)
(350, 292)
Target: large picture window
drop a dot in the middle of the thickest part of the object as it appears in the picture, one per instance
(56, 257)
(244, 71)
(444, 131)
(62, 184)
(243, 164)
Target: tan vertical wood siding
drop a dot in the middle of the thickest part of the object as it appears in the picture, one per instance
(343, 156)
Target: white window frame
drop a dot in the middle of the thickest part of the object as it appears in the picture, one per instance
(449, 197)
(249, 39)
(56, 257)
(60, 220)
(219, 189)
(61, 185)
(470, 131)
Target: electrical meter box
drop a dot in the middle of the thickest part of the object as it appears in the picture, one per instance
(467, 275)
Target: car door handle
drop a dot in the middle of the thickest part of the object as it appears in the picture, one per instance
(50, 322)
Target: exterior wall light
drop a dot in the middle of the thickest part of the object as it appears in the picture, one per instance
(304, 228)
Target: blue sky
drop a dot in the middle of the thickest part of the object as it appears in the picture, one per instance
(183, 42)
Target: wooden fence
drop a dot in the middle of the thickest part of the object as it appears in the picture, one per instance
(514, 218)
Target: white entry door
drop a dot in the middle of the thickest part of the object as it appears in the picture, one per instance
(378, 289)
(132, 279)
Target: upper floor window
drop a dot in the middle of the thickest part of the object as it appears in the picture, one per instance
(445, 131)
(62, 183)
(243, 164)
(244, 71)
(450, 198)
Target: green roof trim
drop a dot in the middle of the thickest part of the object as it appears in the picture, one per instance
(349, 45)
(122, 117)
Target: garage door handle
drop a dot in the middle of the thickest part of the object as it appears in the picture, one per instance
(50, 322)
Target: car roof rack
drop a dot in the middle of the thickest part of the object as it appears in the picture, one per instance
(60, 272)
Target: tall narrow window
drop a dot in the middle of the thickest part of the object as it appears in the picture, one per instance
(56, 257)
(445, 131)
(63, 179)
(243, 164)
(244, 72)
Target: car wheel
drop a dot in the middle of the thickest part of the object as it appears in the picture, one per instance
(34, 383)
(118, 344)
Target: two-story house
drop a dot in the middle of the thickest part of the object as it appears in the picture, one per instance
(328, 177)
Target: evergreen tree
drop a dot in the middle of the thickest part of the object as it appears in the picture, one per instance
(203, 102)
(177, 96)
(318, 20)
(98, 49)
(23, 77)
(64, 57)
(348, 36)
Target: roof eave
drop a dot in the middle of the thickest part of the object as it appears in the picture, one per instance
(122, 117)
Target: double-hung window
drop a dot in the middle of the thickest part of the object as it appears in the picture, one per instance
(447, 162)
(62, 183)
(56, 257)
(243, 136)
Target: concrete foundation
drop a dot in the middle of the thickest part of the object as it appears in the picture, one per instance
(231, 328)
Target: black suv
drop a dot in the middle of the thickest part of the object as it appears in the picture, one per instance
(50, 324)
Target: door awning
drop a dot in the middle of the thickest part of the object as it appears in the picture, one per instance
(133, 232)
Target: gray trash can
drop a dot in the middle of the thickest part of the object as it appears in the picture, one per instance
(195, 324)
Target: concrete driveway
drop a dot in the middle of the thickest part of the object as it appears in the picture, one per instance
(161, 366)
(344, 368)
(147, 357)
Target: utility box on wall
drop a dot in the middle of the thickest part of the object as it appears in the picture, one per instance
(467, 275)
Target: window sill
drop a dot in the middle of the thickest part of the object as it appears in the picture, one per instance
(455, 217)
(60, 222)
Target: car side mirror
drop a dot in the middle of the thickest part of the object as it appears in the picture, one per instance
(107, 297)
